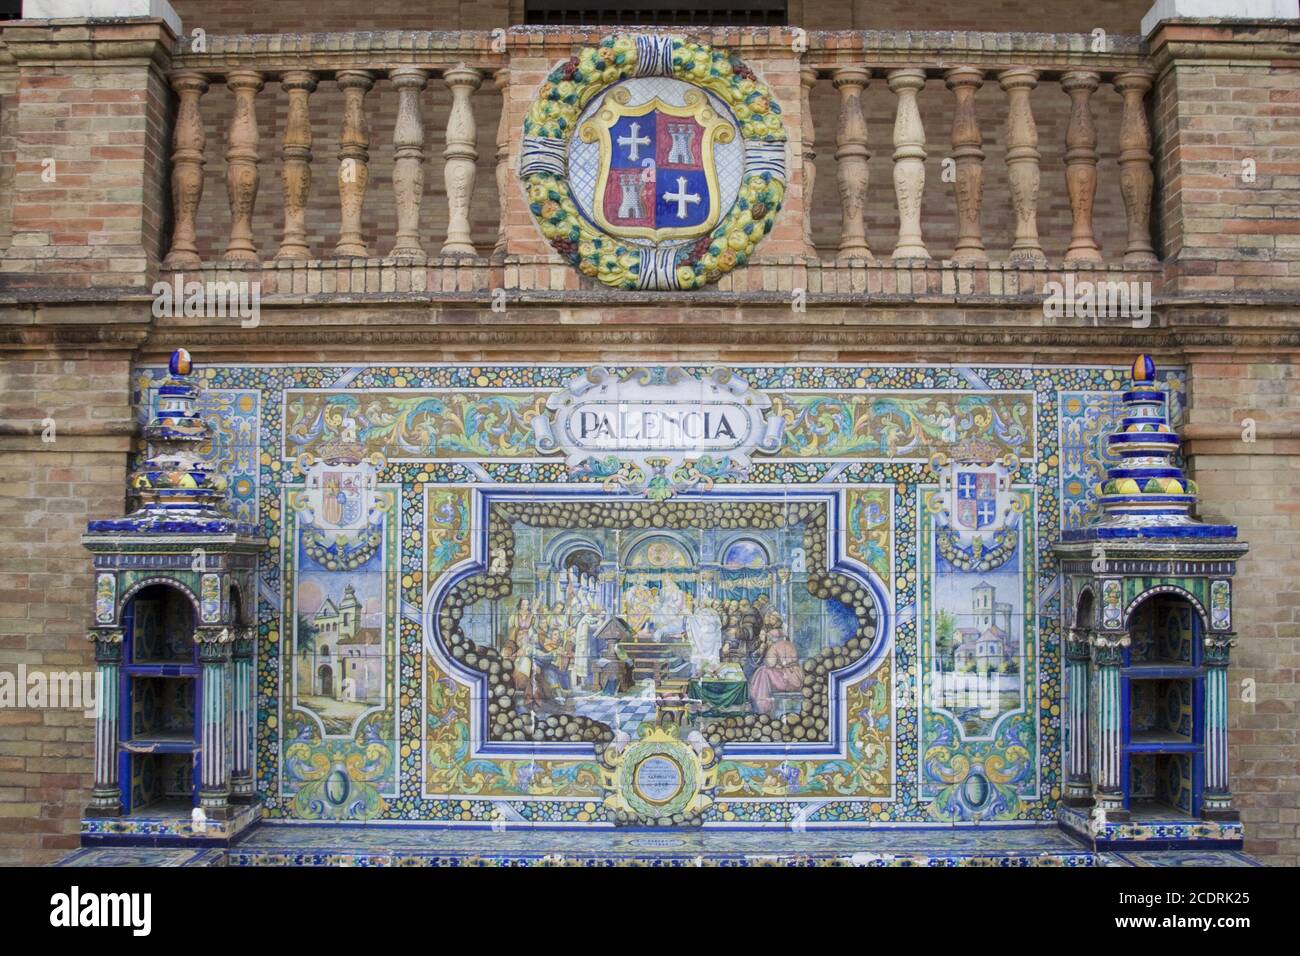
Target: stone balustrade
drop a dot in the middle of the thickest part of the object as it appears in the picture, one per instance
(270, 73)
(354, 147)
(1022, 155)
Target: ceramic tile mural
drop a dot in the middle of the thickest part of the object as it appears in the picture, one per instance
(865, 627)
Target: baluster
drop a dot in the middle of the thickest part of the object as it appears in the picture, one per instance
(808, 80)
(295, 168)
(241, 165)
(354, 162)
(851, 161)
(968, 157)
(461, 157)
(1135, 177)
(1081, 165)
(408, 167)
(502, 80)
(1022, 162)
(187, 170)
(909, 163)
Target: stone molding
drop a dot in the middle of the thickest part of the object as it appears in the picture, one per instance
(457, 330)
(885, 49)
(1261, 43)
(59, 42)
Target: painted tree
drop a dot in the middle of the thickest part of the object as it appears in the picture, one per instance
(945, 628)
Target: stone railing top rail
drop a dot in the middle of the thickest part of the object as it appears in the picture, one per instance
(932, 49)
(818, 49)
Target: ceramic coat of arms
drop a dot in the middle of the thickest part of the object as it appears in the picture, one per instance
(653, 162)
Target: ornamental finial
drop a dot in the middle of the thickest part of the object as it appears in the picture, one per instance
(180, 363)
(177, 487)
(1146, 485)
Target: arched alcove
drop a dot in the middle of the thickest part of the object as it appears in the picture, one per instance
(1163, 719)
(161, 700)
(158, 625)
(1085, 614)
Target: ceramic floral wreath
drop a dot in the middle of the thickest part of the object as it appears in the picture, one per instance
(553, 117)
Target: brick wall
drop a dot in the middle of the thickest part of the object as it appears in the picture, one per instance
(8, 150)
(90, 160)
(1257, 487)
(1222, 235)
(1214, 122)
(50, 491)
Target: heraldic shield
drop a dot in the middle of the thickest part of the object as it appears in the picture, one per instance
(658, 177)
(977, 497)
(339, 495)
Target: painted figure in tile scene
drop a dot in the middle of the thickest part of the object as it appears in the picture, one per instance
(608, 631)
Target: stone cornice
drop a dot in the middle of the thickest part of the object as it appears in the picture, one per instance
(942, 49)
(550, 340)
(274, 53)
(19, 302)
(380, 50)
(1259, 323)
(44, 337)
(64, 42)
(1210, 42)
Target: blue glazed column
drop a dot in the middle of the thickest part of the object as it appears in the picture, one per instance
(1108, 657)
(1216, 803)
(1078, 780)
(214, 741)
(106, 797)
(241, 776)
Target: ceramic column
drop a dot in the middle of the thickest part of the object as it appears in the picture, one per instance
(187, 170)
(1108, 658)
(1216, 803)
(851, 162)
(214, 739)
(244, 731)
(106, 798)
(1078, 780)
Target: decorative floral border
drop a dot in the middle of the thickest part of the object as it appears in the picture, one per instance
(552, 119)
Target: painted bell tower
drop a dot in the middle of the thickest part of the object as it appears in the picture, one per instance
(1147, 619)
(175, 605)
